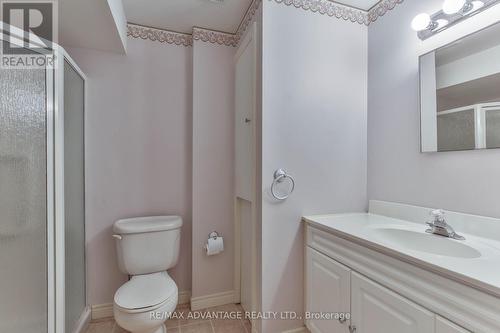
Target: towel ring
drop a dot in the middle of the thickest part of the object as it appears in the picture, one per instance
(279, 176)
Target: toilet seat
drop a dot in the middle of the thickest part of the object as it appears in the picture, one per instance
(146, 292)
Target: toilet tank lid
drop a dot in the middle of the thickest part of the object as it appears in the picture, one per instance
(147, 224)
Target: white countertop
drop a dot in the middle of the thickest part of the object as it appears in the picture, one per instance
(478, 267)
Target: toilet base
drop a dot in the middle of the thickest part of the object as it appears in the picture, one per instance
(161, 329)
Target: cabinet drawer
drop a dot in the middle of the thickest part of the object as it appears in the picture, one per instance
(321, 241)
(446, 326)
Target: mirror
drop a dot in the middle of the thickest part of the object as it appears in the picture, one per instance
(460, 94)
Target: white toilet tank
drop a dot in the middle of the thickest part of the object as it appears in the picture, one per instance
(147, 244)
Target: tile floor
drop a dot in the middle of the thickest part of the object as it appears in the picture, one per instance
(184, 324)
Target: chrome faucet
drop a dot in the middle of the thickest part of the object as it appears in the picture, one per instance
(439, 226)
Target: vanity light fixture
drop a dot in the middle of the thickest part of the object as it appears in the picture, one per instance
(421, 22)
(453, 12)
(477, 5)
(453, 6)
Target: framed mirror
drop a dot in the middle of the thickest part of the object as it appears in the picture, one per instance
(460, 94)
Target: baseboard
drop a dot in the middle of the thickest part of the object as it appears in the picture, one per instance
(209, 301)
(184, 297)
(302, 329)
(102, 311)
(83, 322)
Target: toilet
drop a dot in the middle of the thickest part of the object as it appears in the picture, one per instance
(147, 247)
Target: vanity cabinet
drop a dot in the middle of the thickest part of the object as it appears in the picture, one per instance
(343, 277)
(328, 286)
(376, 309)
(446, 326)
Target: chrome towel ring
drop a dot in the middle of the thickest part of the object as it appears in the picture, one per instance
(279, 176)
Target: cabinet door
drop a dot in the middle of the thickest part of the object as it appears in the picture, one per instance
(446, 326)
(376, 309)
(327, 292)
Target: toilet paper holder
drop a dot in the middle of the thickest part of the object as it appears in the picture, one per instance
(214, 235)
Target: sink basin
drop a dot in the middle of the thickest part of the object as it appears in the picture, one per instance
(426, 243)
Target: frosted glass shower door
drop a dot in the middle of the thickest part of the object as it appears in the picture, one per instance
(23, 201)
(74, 194)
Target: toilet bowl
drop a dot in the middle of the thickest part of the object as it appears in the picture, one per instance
(147, 247)
(145, 302)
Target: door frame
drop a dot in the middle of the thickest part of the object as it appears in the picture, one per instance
(249, 39)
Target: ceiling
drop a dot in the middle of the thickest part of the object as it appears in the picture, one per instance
(361, 4)
(105, 32)
(182, 15)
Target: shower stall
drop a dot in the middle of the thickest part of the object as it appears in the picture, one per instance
(42, 201)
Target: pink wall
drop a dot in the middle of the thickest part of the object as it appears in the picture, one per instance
(213, 154)
(314, 125)
(138, 150)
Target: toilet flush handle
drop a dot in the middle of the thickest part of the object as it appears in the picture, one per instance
(117, 237)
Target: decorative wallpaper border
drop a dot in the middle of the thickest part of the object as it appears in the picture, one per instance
(248, 18)
(323, 7)
(381, 8)
(201, 34)
(158, 35)
(340, 11)
(330, 8)
(215, 37)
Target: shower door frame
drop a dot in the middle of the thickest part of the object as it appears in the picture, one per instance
(51, 246)
(55, 214)
(58, 234)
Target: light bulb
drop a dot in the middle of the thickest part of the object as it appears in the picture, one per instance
(477, 5)
(453, 6)
(441, 23)
(421, 22)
